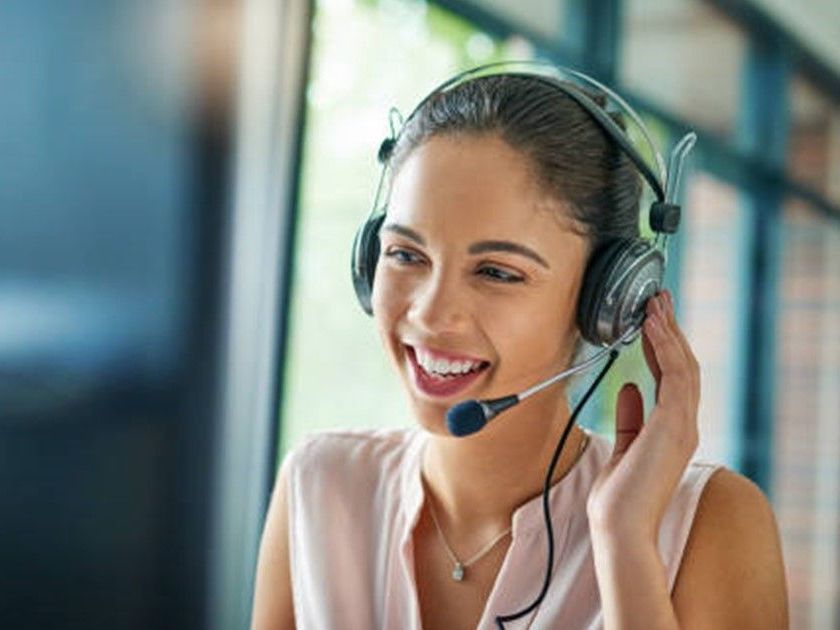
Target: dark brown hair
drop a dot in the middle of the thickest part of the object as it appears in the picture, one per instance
(573, 159)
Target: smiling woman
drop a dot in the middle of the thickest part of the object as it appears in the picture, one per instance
(491, 273)
(508, 199)
(459, 197)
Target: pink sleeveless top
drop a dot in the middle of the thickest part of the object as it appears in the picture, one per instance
(355, 496)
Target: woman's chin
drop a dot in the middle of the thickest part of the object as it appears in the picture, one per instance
(430, 416)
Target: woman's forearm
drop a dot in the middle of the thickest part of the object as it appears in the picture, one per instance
(632, 582)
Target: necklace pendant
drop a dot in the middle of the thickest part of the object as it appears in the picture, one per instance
(458, 572)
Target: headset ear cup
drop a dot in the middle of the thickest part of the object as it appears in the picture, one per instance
(595, 287)
(364, 257)
(618, 284)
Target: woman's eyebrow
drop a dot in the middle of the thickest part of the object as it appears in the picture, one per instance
(404, 231)
(506, 246)
(475, 248)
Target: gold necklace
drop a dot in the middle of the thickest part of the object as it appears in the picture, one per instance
(459, 570)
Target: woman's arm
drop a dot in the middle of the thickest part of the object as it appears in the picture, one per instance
(731, 576)
(272, 607)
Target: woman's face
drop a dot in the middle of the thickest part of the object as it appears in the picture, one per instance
(475, 265)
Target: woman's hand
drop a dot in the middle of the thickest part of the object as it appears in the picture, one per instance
(629, 496)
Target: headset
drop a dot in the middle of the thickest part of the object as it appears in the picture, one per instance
(619, 278)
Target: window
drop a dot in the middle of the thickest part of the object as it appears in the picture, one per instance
(806, 472)
(545, 19)
(814, 142)
(713, 248)
(336, 372)
(686, 58)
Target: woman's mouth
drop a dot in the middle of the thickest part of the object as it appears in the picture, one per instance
(437, 385)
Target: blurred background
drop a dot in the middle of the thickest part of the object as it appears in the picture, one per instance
(180, 184)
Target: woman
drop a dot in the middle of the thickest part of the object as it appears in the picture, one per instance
(501, 189)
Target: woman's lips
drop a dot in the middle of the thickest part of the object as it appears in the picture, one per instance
(440, 387)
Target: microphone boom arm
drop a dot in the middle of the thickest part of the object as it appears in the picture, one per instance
(582, 366)
(470, 416)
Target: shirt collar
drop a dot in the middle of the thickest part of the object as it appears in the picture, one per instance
(564, 497)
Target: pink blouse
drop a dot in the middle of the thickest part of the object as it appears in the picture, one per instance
(355, 496)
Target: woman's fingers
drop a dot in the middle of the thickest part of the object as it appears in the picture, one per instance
(647, 349)
(679, 386)
(691, 364)
(629, 417)
(676, 367)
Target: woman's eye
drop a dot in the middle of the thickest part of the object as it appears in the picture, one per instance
(500, 276)
(402, 256)
(406, 257)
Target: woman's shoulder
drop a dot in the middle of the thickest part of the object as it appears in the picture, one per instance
(350, 453)
(733, 557)
(349, 483)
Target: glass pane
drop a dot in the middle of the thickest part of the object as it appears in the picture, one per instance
(548, 19)
(806, 472)
(335, 361)
(814, 144)
(709, 306)
(685, 57)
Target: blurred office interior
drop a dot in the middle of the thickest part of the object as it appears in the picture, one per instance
(180, 183)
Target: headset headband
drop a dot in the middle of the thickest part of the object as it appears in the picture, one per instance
(664, 213)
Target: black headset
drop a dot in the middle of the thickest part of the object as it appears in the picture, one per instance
(622, 274)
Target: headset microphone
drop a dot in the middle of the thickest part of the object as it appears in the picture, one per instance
(470, 416)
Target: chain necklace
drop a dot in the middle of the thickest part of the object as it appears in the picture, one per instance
(459, 570)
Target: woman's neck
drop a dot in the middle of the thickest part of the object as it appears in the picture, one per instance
(477, 482)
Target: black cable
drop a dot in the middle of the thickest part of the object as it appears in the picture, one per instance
(501, 619)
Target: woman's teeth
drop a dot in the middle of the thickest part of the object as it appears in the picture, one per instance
(442, 367)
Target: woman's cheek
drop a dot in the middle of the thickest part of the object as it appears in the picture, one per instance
(534, 334)
(388, 293)
(380, 281)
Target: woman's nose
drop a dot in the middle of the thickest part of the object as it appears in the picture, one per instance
(438, 304)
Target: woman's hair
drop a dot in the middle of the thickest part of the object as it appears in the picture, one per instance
(573, 159)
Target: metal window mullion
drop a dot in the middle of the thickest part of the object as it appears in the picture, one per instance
(763, 132)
